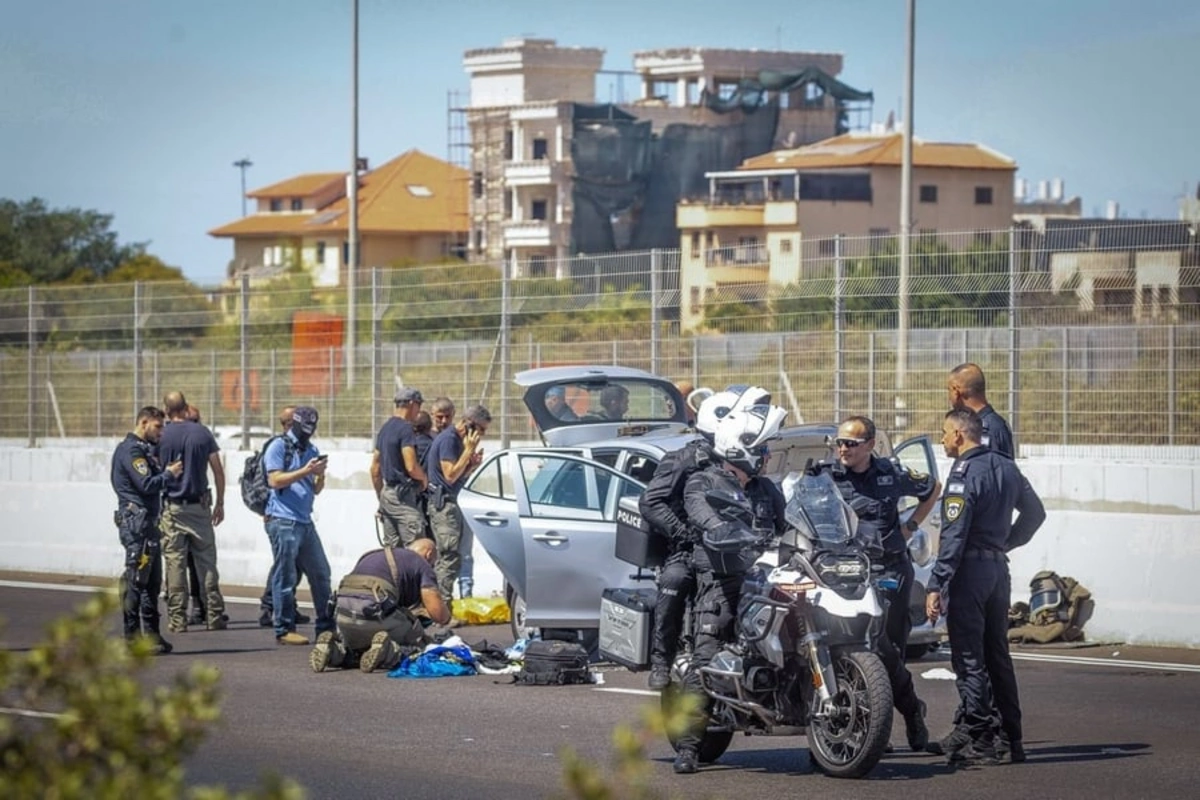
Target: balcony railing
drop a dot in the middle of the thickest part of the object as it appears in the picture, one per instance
(740, 255)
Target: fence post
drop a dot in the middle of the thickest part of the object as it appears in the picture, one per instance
(376, 347)
(31, 369)
(137, 346)
(505, 292)
(1172, 386)
(1014, 343)
(871, 375)
(271, 393)
(332, 390)
(466, 376)
(244, 345)
(695, 361)
(839, 333)
(214, 397)
(1066, 381)
(655, 269)
(99, 398)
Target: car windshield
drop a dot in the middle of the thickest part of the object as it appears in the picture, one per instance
(608, 401)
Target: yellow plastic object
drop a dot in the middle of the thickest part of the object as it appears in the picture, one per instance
(480, 610)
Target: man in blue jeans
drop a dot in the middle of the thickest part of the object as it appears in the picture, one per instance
(296, 474)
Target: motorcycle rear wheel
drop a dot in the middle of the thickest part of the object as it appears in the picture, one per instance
(850, 741)
(713, 744)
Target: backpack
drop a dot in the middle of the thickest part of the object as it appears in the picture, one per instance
(554, 663)
(1058, 608)
(255, 491)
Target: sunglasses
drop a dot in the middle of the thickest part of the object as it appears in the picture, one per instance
(851, 443)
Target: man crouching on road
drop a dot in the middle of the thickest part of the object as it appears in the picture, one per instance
(379, 608)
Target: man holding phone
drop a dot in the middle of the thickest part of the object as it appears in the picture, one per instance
(296, 474)
(454, 454)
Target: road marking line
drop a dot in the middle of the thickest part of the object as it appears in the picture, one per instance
(1106, 662)
(66, 587)
(641, 692)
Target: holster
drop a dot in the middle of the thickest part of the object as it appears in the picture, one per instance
(131, 524)
(437, 497)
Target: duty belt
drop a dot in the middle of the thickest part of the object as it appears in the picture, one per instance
(186, 501)
(984, 555)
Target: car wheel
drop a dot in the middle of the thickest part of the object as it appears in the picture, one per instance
(516, 605)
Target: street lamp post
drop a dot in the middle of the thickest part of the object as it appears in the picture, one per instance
(243, 164)
(901, 406)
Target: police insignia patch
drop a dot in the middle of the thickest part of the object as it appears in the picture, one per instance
(141, 466)
(952, 508)
(884, 480)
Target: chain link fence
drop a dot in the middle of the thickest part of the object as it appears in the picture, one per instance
(1087, 334)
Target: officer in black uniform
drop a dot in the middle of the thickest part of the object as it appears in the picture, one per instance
(740, 452)
(968, 389)
(139, 483)
(983, 490)
(873, 487)
(662, 507)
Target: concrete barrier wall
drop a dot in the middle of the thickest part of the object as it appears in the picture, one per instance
(1130, 532)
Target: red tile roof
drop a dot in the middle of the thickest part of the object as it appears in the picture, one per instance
(861, 150)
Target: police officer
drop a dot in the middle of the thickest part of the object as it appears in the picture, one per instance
(662, 507)
(983, 490)
(454, 454)
(873, 487)
(740, 452)
(968, 389)
(139, 483)
(397, 475)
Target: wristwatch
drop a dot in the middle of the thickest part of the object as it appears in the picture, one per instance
(912, 526)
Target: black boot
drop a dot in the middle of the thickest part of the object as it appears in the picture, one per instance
(915, 728)
(660, 678)
(686, 762)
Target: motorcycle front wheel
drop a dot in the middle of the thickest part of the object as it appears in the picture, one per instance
(713, 744)
(849, 741)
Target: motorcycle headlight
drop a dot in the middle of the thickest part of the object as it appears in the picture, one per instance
(837, 569)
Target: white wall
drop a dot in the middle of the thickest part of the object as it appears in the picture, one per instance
(1130, 532)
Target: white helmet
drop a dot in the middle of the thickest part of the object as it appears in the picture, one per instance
(716, 405)
(742, 436)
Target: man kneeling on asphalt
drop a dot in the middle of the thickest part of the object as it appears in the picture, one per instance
(380, 606)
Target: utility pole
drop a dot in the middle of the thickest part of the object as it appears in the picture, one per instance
(243, 164)
(352, 193)
(901, 421)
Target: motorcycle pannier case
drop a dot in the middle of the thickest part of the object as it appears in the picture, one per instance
(637, 544)
(626, 620)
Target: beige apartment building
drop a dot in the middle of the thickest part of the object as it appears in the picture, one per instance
(412, 208)
(517, 129)
(776, 217)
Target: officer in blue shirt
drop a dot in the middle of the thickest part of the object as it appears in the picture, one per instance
(454, 454)
(983, 490)
(967, 388)
(296, 474)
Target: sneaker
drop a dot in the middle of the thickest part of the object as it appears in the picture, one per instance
(977, 752)
(686, 762)
(326, 653)
(660, 678)
(218, 624)
(291, 637)
(266, 618)
(302, 619)
(915, 728)
(951, 743)
(382, 654)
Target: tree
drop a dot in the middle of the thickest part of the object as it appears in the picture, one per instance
(51, 245)
(97, 731)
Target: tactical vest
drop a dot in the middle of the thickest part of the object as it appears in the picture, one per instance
(1058, 609)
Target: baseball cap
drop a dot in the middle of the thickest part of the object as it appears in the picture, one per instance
(304, 419)
(408, 395)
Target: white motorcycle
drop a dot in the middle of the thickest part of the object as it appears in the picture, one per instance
(803, 662)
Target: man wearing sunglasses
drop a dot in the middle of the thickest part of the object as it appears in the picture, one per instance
(873, 486)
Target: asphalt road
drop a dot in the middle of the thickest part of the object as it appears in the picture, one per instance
(1105, 727)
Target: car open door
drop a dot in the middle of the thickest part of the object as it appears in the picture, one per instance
(917, 454)
(567, 507)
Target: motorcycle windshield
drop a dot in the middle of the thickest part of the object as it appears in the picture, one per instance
(816, 506)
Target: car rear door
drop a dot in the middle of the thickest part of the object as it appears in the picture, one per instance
(567, 508)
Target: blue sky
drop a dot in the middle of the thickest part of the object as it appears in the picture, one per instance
(139, 107)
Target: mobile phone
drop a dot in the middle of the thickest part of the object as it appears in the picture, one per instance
(322, 457)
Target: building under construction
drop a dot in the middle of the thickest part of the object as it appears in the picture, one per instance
(555, 173)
